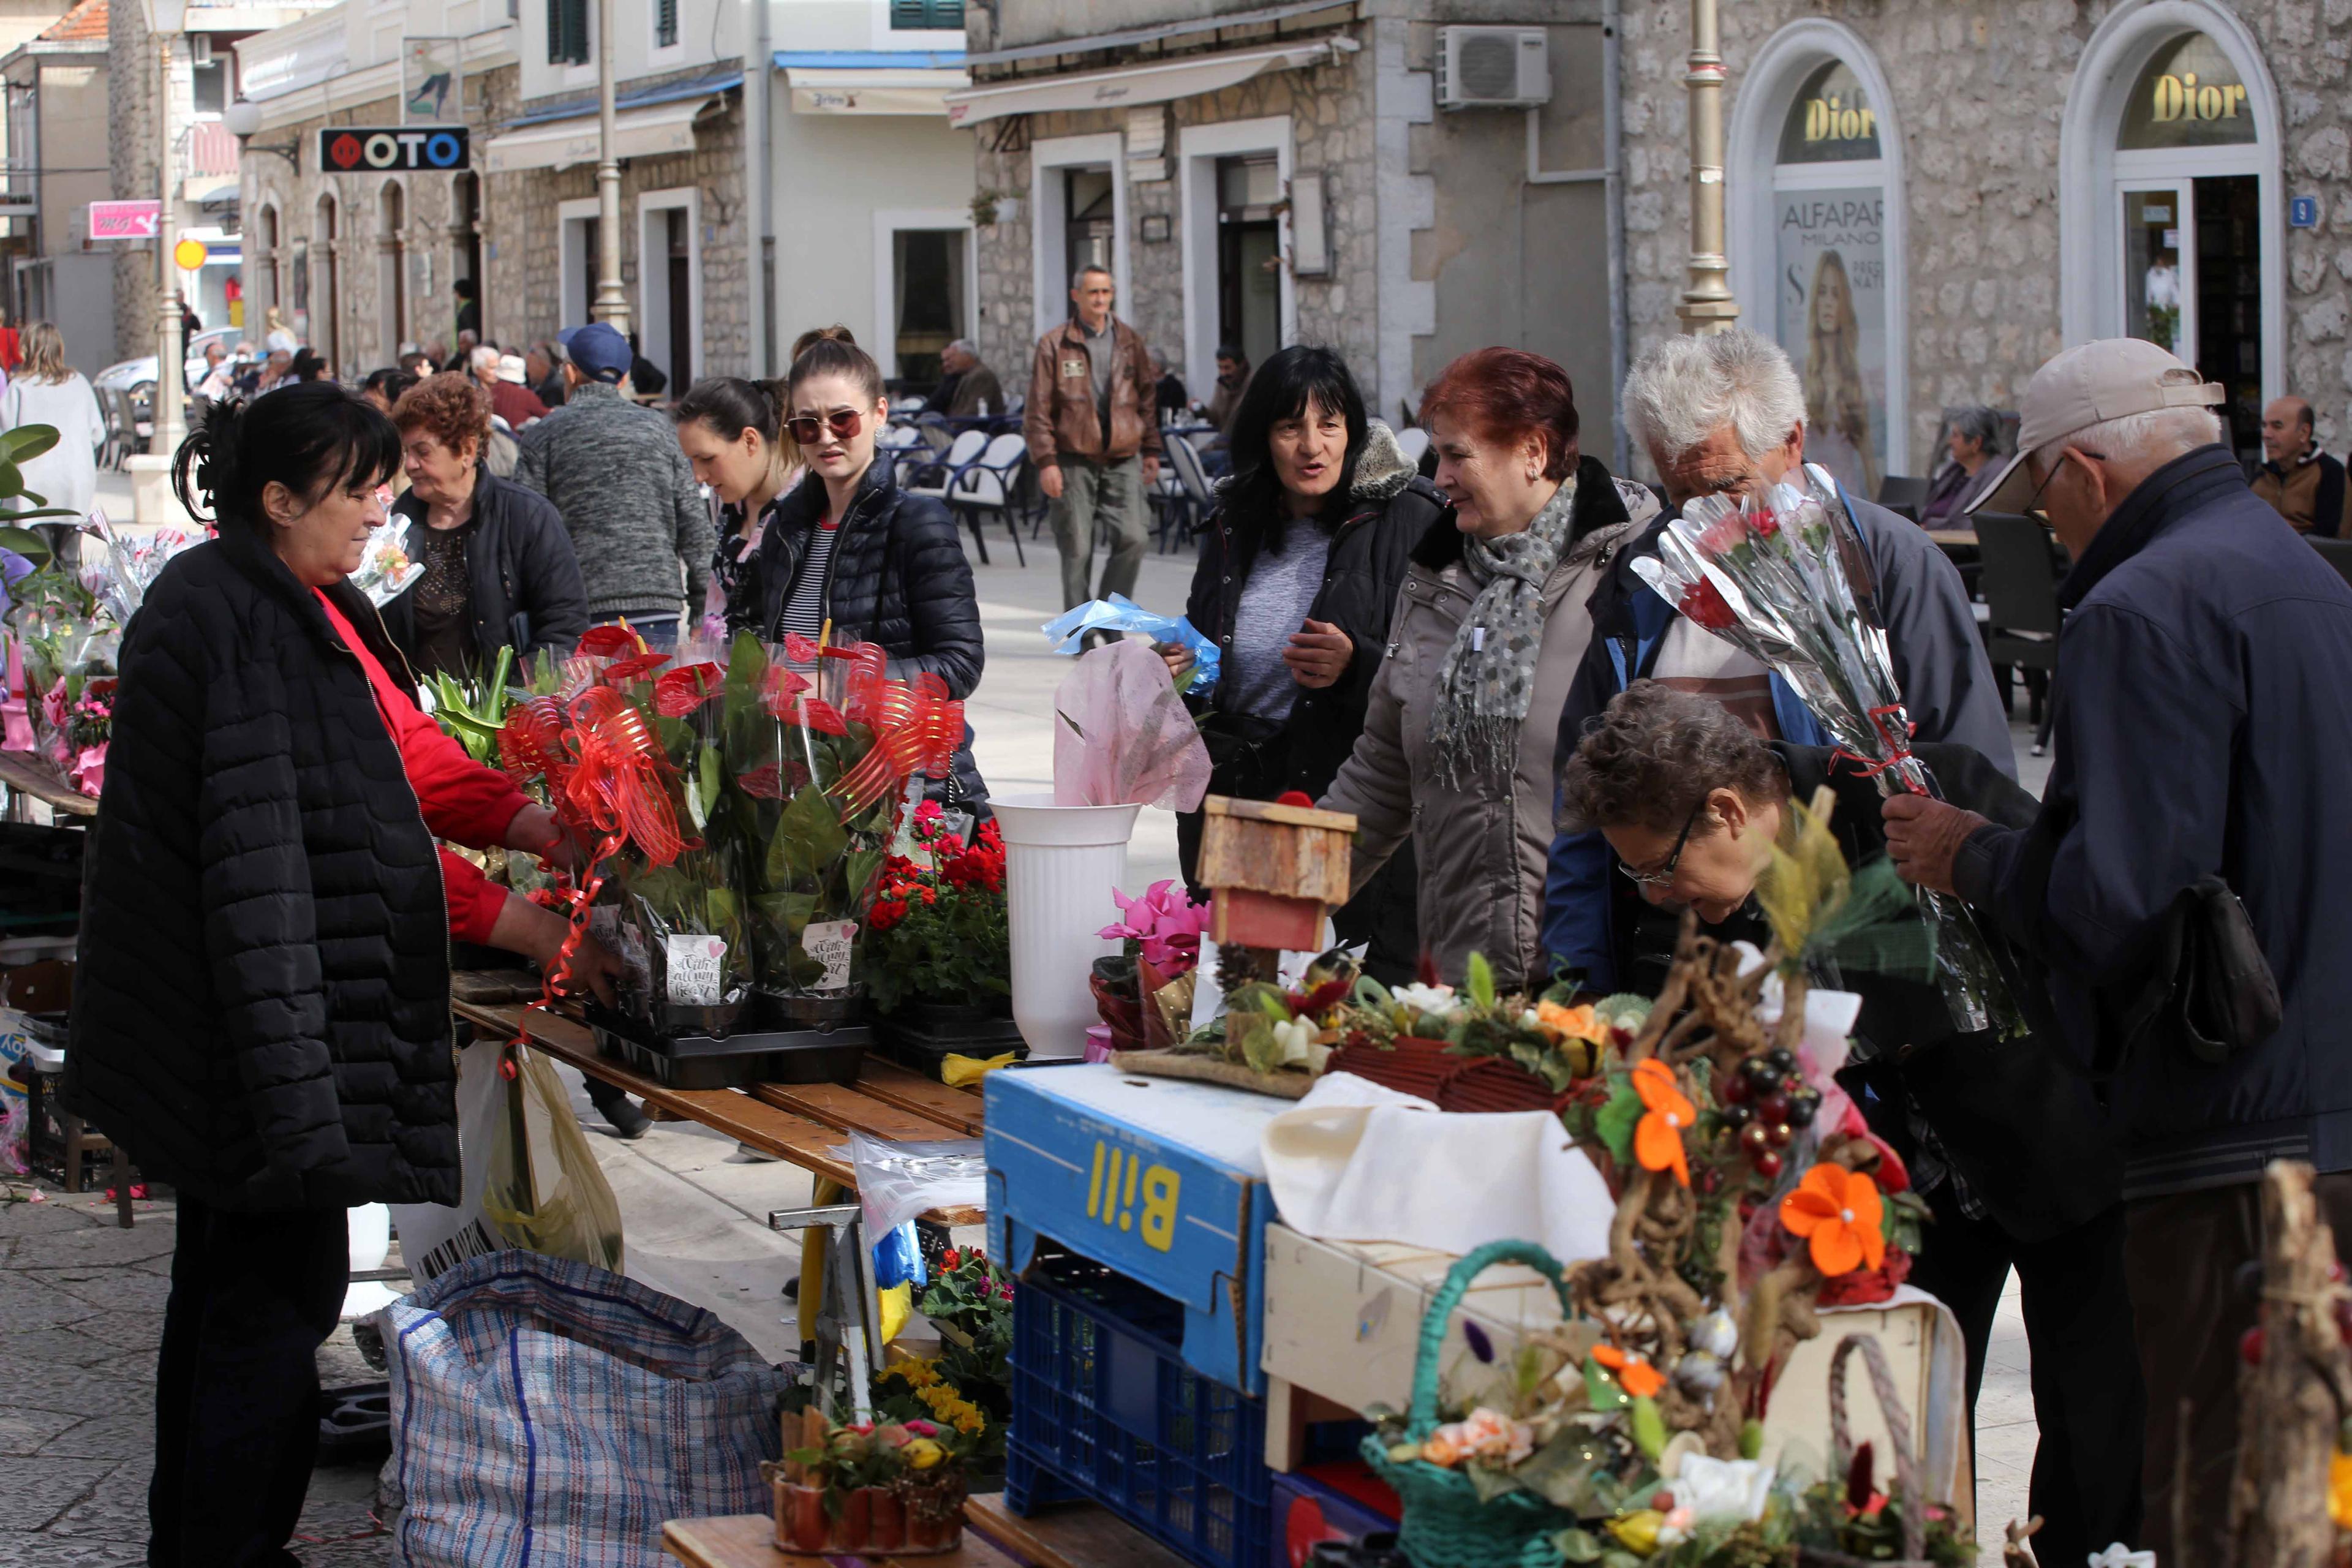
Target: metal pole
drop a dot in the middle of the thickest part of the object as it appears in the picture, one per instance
(171, 377)
(1707, 305)
(611, 304)
(757, 64)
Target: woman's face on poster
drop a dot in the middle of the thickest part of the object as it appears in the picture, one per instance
(1830, 300)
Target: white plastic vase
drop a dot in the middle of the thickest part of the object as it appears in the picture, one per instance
(1061, 863)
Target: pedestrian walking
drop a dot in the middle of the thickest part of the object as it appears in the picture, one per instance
(1094, 438)
(45, 389)
(614, 472)
(262, 1010)
(1459, 729)
(2204, 702)
(1297, 585)
(731, 431)
(1726, 416)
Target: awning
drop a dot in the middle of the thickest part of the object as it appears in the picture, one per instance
(561, 143)
(1157, 83)
(826, 90)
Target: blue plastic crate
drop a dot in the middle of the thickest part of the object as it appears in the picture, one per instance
(1105, 1409)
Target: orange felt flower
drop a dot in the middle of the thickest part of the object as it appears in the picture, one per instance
(1573, 1023)
(1635, 1375)
(1666, 1113)
(1837, 1211)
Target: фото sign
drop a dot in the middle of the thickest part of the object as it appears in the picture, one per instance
(124, 220)
(401, 149)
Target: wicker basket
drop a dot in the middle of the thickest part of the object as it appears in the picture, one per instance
(1446, 1525)
(1907, 1458)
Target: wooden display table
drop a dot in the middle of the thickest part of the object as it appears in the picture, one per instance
(21, 773)
(1074, 1535)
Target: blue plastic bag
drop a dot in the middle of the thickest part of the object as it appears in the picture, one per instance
(1121, 614)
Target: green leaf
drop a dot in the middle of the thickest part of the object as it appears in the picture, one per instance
(1649, 1428)
(809, 838)
(28, 441)
(1602, 1391)
(1577, 1545)
(26, 544)
(1251, 1034)
(1481, 981)
(1613, 1124)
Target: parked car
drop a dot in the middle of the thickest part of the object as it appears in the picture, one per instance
(137, 376)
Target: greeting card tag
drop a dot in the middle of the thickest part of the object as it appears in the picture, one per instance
(696, 971)
(830, 943)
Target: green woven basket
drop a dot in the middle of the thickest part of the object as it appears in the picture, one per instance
(1446, 1525)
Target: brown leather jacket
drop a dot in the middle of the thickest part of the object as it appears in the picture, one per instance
(1060, 417)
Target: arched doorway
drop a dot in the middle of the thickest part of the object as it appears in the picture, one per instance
(2171, 200)
(327, 321)
(391, 271)
(1817, 250)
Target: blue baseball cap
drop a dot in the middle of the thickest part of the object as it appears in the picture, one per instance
(598, 351)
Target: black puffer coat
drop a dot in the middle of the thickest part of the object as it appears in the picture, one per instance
(522, 577)
(897, 576)
(261, 1016)
(1391, 508)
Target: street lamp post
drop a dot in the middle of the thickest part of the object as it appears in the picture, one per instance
(612, 305)
(151, 491)
(1707, 306)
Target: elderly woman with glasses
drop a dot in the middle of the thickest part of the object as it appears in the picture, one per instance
(2002, 1137)
(1972, 441)
(850, 557)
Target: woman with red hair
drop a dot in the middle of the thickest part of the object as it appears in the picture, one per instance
(1490, 629)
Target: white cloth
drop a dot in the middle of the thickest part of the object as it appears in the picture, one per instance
(1355, 1162)
(67, 474)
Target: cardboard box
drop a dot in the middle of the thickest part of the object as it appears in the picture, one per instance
(1158, 1178)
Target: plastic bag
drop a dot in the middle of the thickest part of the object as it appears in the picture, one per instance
(1121, 614)
(530, 1179)
(1122, 736)
(896, 1182)
(685, 949)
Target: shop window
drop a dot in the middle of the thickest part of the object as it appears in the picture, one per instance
(567, 32)
(927, 274)
(2189, 94)
(1829, 202)
(208, 82)
(928, 15)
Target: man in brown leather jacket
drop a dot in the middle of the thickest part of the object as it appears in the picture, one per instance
(1093, 436)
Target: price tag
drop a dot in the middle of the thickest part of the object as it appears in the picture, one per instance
(829, 943)
(696, 971)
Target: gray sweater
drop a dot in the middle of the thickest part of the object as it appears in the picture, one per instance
(627, 495)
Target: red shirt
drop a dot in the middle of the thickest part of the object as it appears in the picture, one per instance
(462, 800)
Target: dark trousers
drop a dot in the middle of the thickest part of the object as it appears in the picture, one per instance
(604, 1096)
(236, 1384)
(2184, 1255)
(2086, 1379)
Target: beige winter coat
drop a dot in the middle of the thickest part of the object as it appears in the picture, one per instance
(1482, 848)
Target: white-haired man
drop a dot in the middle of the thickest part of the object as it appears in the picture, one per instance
(2194, 812)
(968, 389)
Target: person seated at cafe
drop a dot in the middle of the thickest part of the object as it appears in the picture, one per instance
(969, 390)
(1971, 440)
(1171, 401)
(2002, 1137)
(2299, 481)
(1233, 380)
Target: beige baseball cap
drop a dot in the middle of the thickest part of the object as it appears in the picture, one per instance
(2088, 384)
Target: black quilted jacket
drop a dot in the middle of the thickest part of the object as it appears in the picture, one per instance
(897, 576)
(261, 1016)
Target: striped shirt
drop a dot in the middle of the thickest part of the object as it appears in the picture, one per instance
(804, 606)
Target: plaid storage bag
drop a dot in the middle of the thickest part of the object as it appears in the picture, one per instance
(545, 1412)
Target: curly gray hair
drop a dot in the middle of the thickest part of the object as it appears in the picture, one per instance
(1654, 754)
(1683, 390)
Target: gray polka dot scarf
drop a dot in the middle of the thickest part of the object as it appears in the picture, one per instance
(1489, 673)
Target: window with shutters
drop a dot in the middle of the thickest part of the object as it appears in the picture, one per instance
(567, 32)
(927, 13)
(665, 24)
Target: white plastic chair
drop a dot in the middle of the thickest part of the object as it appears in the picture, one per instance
(934, 476)
(987, 484)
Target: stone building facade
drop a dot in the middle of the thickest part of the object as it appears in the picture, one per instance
(2051, 171)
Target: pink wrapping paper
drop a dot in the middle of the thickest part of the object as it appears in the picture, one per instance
(1123, 737)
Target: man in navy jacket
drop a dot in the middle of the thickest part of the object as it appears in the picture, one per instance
(2203, 727)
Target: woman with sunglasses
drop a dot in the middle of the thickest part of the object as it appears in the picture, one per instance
(2001, 1136)
(731, 431)
(850, 557)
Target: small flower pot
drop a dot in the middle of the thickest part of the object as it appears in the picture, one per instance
(855, 1525)
(801, 1522)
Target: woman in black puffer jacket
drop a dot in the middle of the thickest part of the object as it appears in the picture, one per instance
(1297, 582)
(261, 1012)
(851, 555)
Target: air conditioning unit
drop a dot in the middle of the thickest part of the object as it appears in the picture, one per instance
(1493, 67)
(200, 48)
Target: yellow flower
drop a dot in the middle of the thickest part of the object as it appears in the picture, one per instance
(2339, 1490)
(922, 1454)
(1573, 1023)
(915, 1372)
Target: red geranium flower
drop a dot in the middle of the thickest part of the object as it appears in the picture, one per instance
(885, 913)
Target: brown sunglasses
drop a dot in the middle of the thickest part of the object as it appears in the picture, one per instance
(808, 428)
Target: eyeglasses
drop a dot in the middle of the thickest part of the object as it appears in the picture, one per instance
(1663, 877)
(809, 429)
(2033, 502)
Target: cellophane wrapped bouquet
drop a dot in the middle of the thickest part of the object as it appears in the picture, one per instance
(1770, 574)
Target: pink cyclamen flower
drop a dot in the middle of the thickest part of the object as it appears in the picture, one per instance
(1165, 922)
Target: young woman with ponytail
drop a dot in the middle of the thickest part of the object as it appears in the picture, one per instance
(732, 432)
(261, 1012)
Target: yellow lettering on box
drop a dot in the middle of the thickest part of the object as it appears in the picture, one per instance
(1160, 1190)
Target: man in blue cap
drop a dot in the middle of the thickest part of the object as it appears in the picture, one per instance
(616, 473)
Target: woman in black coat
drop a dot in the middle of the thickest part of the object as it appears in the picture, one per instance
(1298, 579)
(261, 1012)
(851, 557)
(499, 570)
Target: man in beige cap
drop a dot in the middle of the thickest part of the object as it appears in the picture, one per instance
(2203, 734)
